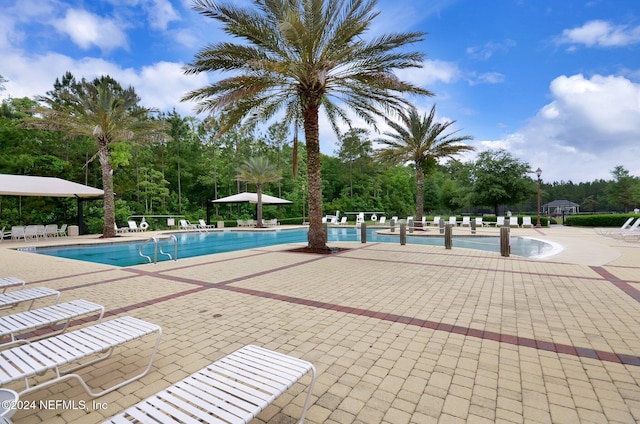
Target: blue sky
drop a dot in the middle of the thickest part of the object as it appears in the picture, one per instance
(557, 83)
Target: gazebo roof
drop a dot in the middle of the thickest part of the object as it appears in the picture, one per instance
(27, 185)
(559, 203)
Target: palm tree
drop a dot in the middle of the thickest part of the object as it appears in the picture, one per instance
(421, 140)
(296, 57)
(102, 110)
(258, 171)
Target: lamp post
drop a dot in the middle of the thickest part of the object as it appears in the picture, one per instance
(538, 173)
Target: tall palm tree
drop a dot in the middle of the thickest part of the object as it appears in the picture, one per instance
(421, 140)
(296, 57)
(102, 110)
(258, 171)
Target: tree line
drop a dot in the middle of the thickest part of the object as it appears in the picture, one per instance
(180, 173)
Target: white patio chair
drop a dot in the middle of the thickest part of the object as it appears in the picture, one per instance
(232, 390)
(382, 220)
(453, 220)
(203, 225)
(54, 354)
(62, 231)
(500, 221)
(51, 230)
(4, 233)
(31, 232)
(526, 222)
(17, 232)
(513, 222)
(6, 282)
(12, 298)
(466, 221)
(134, 227)
(11, 326)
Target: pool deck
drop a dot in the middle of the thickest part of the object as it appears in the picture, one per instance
(399, 334)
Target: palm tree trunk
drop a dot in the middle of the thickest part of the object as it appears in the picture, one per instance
(419, 196)
(108, 230)
(259, 206)
(316, 236)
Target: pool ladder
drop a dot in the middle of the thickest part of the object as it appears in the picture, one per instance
(158, 243)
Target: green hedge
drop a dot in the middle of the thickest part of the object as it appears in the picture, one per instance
(608, 220)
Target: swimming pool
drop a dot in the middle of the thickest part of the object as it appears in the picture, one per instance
(206, 243)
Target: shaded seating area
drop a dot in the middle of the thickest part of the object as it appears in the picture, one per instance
(35, 232)
(233, 389)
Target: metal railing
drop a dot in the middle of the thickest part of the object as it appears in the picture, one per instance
(158, 244)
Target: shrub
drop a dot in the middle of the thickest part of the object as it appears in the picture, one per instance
(608, 220)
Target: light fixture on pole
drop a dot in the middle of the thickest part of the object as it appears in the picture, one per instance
(538, 173)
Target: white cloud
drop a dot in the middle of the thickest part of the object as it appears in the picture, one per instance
(486, 51)
(431, 72)
(590, 126)
(486, 78)
(86, 30)
(161, 13)
(160, 85)
(601, 34)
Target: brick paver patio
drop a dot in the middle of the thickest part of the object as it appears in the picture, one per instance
(399, 334)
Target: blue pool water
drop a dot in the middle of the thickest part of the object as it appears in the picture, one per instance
(206, 243)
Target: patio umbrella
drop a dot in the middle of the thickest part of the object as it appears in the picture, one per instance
(247, 197)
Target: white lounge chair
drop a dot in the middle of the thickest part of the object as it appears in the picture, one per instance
(453, 220)
(500, 221)
(133, 226)
(232, 390)
(626, 226)
(629, 233)
(6, 282)
(513, 222)
(30, 232)
(4, 233)
(12, 298)
(120, 230)
(12, 326)
(526, 222)
(186, 225)
(343, 220)
(382, 220)
(203, 225)
(394, 220)
(436, 221)
(466, 221)
(479, 222)
(17, 232)
(51, 230)
(20, 363)
(62, 231)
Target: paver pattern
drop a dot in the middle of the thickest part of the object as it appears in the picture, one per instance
(399, 334)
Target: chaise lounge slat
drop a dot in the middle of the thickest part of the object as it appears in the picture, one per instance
(32, 294)
(13, 325)
(6, 282)
(53, 353)
(233, 389)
